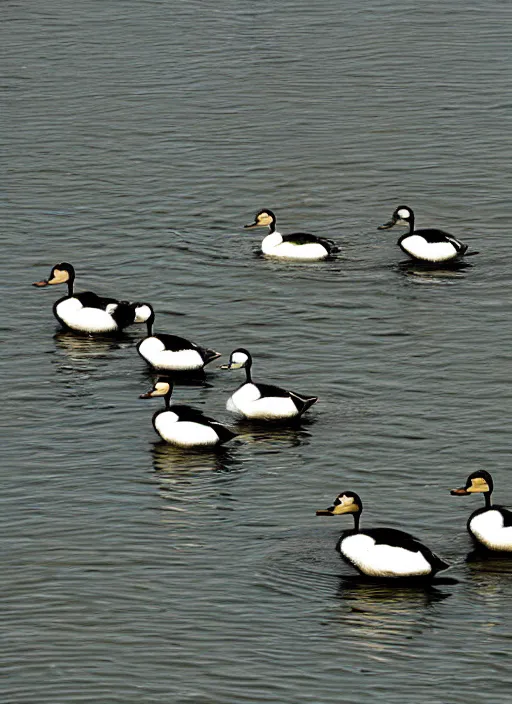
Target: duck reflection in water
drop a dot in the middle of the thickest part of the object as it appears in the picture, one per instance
(83, 347)
(79, 358)
(423, 272)
(186, 478)
(178, 462)
(292, 434)
(197, 378)
(362, 593)
(480, 559)
(383, 615)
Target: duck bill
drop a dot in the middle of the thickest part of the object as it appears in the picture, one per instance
(459, 492)
(42, 283)
(250, 225)
(148, 394)
(231, 365)
(326, 512)
(387, 225)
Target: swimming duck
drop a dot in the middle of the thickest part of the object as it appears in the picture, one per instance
(381, 552)
(263, 401)
(298, 245)
(185, 426)
(428, 245)
(170, 352)
(490, 525)
(88, 312)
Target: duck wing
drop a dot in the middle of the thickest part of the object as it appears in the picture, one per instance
(91, 300)
(175, 343)
(189, 413)
(123, 313)
(506, 513)
(398, 539)
(302, 403)
(306, 238)
(401, 539)
(395, 538)
(433, 235)
(267, 390)
(194, 415)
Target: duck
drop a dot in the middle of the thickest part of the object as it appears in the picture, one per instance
(299, 245)
(381, 552)
(185, 426)
(87, 312)
(490, 526)
(427, 245)
(263, 401)
(172, 353)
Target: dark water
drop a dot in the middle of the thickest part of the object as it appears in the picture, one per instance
(138, 138)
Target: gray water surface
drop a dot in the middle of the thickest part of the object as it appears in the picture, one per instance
(139, 138)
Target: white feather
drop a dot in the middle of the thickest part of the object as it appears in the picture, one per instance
(153, 350)
(239, 358)
(274, 246)
(488, 529)
(248, 402)
(184, 433)
(381, 560)
(418, 247)
(142, 313)
(75, 316)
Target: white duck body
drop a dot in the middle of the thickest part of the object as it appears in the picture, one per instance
(383, 560)
(154, 351)
(184, 433)
(273, 245)
(73, 314)
(249, 402)
(171, 353)
(492, 527)
(418, 247)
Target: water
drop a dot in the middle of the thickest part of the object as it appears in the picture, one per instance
(139, 138)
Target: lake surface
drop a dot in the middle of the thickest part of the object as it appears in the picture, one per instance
(139, 138)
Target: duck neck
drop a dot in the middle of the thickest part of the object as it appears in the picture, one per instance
(248, 377)
(411, 224)
(487, 497)
(150, 322)
(71, 285)
(167, 400)
(357, 517)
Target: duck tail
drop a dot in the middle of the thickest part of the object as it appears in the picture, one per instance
(210, 355)
(303, 402)
(330, 245)
(225, 434)
(309, 402)
(438, 564)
